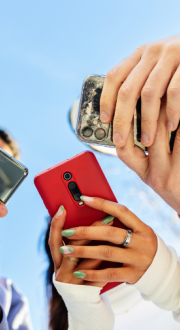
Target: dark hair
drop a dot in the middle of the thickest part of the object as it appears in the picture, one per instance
(11, 143)
(57, 309)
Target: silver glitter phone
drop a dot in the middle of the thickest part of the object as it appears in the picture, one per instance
(91, 130)
(12, 174)
(89, 127)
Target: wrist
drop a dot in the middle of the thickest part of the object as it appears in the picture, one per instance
(159, 273)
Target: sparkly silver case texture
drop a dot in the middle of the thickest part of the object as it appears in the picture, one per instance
(91, 130)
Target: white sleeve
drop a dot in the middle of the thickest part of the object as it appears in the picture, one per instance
(161, 281)
(87, 309)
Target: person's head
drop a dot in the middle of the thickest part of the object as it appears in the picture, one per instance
(8, 144)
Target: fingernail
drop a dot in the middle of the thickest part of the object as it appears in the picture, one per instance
(66, 249)
(117, 138)
(104, 116)
(170, 126)
(60, 211)
(144, 138)
(3, 209)
(68, 232)
(86, 199)
(79, 274)
(108, 219)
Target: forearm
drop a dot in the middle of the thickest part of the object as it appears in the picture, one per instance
(161, 282)
(87, 309)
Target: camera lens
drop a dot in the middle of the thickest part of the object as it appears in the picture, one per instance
(72, 185)
(100, 133)
(77, 197)
(87, 131)
(67, 176)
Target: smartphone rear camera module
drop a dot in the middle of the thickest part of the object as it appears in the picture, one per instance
(100, 133)
(74, 190)
(87, 132)
(77, 197)
(67, 176)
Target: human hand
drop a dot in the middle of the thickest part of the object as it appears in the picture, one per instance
(136, 257)
(3, 210)
(150, 72)
(64, 267)
(160, 169)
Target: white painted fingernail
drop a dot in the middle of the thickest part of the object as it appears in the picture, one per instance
(86, 199)
(66, 249)
(60, 211)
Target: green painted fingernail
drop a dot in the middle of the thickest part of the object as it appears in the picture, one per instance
(79, 274)
(62, 207)
(108, 219)
(68, 232)
(66, 249)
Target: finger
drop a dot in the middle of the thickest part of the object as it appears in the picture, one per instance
(70, 232)
(173, 102)
(91, 264)
(128, 218)
(134, 157)
(3, 210)
(55, 237)
(69, 265)
(102, 252)
(122, 274)
(109, 234)
(113, 81)
(175, 158)
(159, 152)
(151, 94)
(128, 95)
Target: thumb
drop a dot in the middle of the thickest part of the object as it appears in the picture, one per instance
(3, 210)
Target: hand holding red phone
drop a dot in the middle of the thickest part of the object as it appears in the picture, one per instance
(136, 257)
(64, 267)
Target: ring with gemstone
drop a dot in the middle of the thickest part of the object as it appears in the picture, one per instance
(128, 237)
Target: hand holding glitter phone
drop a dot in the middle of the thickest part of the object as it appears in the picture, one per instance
(91, 130)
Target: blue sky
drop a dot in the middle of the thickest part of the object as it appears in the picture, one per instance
(47, 48)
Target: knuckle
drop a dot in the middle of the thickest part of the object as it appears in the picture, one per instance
(93, 276)
(173, 90)
(112, 274)
(153, 48)
(107, 252)
(122, 209)
(110, 75)
(118, 122)
(124, 91)
(147, 93)
(171, 49)
(145, 121)
(84, 231)
(80, 251)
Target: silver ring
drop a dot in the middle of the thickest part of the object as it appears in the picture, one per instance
(128, 237)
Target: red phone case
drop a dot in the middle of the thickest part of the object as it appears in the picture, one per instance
(87, 173)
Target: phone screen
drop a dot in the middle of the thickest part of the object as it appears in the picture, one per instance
(12, 174)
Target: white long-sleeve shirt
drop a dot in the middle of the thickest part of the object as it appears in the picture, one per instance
(87, 309)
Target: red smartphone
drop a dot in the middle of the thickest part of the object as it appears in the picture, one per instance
(64, 183)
